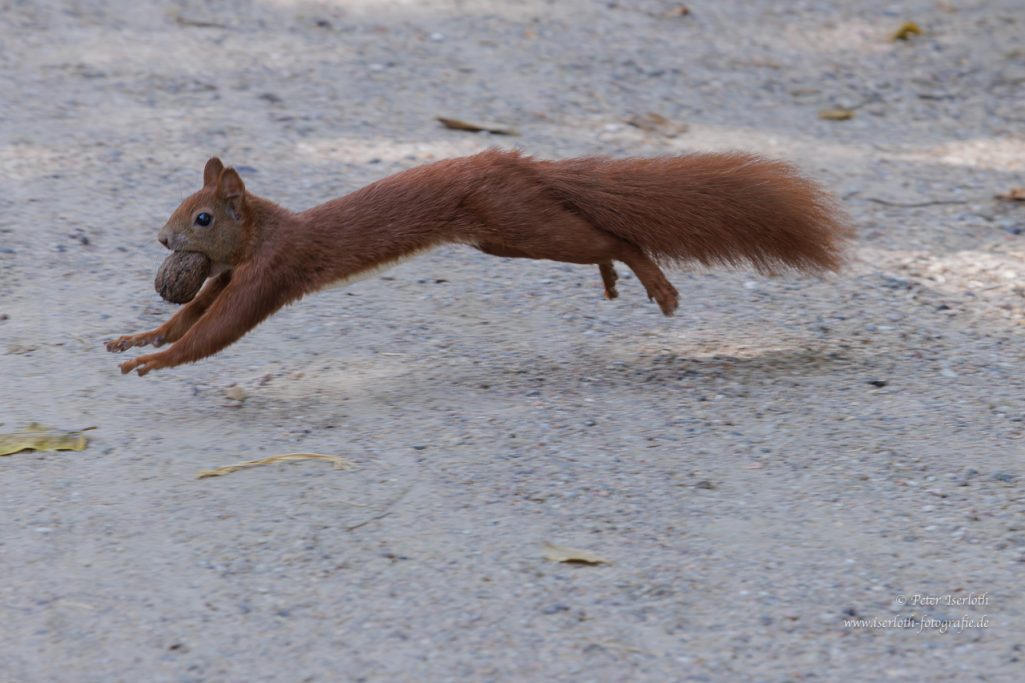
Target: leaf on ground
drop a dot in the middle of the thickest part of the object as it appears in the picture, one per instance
(613, 645)
(906, 30)
(340, 463)
(678, 11)
(656, 123)
(36, 437)
(558, 553)
(194, 23)
(1015, 194)
(839, 114)
(460, 124)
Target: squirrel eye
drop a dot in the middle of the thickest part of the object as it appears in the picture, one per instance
(204, 219)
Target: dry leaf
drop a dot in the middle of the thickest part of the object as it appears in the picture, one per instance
(656, 123)
(459, 124)
(1015, 194)
(906, 30)
(36, 437)
(678, 11)
(839, 114)
(195, 23)
(340, 463)
(613, 645)
(558, 553)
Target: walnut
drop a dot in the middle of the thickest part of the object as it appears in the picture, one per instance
(182, 276)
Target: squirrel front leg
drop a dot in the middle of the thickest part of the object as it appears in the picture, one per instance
(179, 323)
(246, 300)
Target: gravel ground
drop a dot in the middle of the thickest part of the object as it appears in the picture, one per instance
(783, 456)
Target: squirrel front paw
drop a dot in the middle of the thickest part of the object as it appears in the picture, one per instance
(143, 364)
(132, 340)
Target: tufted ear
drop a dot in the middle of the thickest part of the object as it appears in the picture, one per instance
(212, 171)
(230, 185)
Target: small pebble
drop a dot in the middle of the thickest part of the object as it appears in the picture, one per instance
(236, 393)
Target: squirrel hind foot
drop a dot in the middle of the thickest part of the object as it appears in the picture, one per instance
(668, 299)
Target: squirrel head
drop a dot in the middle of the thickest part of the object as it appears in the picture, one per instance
(216, 221)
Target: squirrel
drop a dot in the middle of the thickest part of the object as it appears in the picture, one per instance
(728, 209)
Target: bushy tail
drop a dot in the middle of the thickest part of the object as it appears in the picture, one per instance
(727, 209)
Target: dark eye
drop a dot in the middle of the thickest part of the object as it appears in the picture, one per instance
(204, 219)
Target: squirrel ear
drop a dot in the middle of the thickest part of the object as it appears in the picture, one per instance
(230, 185)
(212, 171)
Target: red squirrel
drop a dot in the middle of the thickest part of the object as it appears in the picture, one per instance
(726, 209)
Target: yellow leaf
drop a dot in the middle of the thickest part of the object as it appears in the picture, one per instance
(459, 124)
(836, 114)
(36, 437)
(558, 553)
(906, 30)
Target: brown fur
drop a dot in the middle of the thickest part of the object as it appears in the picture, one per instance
(710, 208)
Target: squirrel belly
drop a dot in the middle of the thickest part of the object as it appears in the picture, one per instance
(367, 273)
(714, 209)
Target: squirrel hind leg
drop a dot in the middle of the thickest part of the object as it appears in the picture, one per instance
(580, 242)
(651, 276)
(609, 276)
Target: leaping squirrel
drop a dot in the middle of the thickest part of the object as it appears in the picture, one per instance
(729, 209)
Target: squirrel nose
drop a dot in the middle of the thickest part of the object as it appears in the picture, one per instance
(165, 242)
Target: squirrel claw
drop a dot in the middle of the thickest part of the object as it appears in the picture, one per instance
(129, 341)
(143, 364)
(666, 297)
(117, 345)
(129, 365)
(124, 343)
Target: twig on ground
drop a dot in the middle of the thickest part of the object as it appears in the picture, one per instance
(196, 23)
(387, 510)
(912, 205)
(339, 462)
